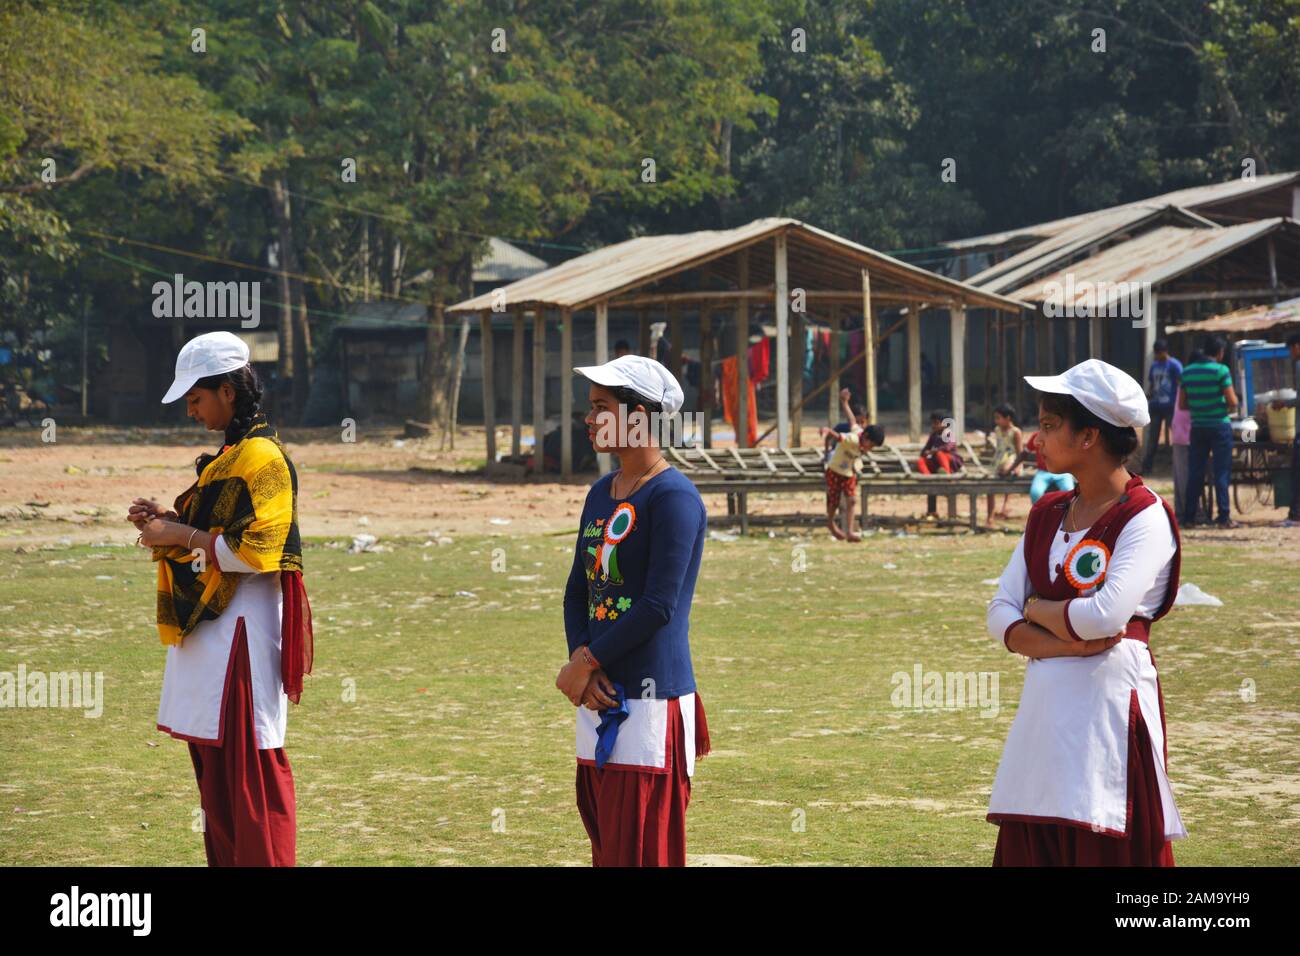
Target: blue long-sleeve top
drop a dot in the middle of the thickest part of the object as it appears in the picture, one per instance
(630, 601)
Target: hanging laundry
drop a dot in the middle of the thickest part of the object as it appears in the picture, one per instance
(730, 401)
(760, 360)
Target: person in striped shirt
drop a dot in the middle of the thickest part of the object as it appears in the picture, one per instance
(1207, 393)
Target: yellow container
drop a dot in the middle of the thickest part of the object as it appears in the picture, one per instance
(1281, 424)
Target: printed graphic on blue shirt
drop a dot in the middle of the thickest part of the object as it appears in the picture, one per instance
(604, 580)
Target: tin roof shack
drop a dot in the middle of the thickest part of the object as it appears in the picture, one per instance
(783, 264)
(1132, 286)
(1025, 259)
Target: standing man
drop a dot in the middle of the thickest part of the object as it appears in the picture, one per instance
(1162, 394)
(1293, 513)
(1208, 394)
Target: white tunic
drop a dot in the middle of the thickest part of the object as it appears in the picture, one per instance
(642, 742)
(1066, 756)
(197, 677)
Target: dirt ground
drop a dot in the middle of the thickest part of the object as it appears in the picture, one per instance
(76, 490)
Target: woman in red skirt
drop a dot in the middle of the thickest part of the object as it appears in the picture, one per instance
(232, 609)
(1082, 781)
(627, 607)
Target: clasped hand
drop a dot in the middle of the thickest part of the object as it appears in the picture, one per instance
(584, 685)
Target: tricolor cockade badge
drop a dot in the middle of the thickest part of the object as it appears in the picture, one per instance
(1085, 565)
(618, 527)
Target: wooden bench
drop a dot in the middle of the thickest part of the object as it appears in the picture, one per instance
(887, 470)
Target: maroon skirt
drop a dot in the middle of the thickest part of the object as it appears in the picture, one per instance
(638, 817)
(1025, 843)
(247, 794)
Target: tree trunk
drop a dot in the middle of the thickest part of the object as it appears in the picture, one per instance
(453, 397)
(280, 213)
(434, 387)
(301, 351)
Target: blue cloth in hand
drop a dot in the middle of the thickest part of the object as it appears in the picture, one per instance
(607, 731)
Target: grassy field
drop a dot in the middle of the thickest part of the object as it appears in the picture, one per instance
(456, 723)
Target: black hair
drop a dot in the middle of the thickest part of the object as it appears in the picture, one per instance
(1119, 442)
(857, 408)
(1006, 411)
(1213, 345)
(622, 344)
(248, 405)
(1160, 346)
(939, 414)
(875, 433)
(631, 398)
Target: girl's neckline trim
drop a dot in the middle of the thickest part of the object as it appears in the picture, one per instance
(643, 487)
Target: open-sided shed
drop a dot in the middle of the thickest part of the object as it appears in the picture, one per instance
(787, 264)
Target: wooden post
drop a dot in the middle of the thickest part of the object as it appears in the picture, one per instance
(869, 347)
(1272, 264)
(1071, 343)
(1095, 340)
(742, 356)
(1002, 362)
(1022, 361)
(957, 335)
(566, 394)
(782, 357)
(489, 387)
(797, 359)
(675, 333)
(988, 367)
(517, 385)
(833, 389)
(1151, 318)
(643, 334)
(706, 374)
(539, 389)
(914, 371)
(602, 356)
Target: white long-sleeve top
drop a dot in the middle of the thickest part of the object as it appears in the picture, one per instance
(1136, 578)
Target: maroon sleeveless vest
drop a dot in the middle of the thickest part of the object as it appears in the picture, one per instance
(1045, 520)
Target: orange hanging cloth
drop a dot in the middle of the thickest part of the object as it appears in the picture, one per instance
(730, 399)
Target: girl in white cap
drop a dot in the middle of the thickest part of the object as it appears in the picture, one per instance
(627, 609)
(1083, 775)
(232, 609)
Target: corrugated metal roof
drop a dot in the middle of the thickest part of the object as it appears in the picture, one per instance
(506, 263)
(1253, 319)
(1016, 270)
(1153, 258)
(600, 275)
(1194, 197)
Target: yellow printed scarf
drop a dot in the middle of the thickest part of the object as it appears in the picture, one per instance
(249, 495)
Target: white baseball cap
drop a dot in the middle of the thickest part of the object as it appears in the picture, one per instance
(1110, 393)
(209, 354)
(645, 376)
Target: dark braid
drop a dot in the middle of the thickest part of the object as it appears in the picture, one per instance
(248, 405)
